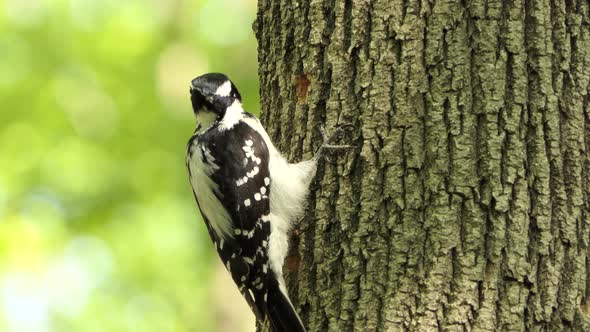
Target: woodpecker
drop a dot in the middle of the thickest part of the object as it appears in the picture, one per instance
(249, 196)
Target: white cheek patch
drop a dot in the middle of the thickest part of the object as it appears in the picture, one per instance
(224, 90)
(233, 115)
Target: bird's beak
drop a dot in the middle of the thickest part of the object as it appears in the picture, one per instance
(197, 99)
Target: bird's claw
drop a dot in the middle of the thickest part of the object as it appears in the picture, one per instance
(337, 130)
(329, 139)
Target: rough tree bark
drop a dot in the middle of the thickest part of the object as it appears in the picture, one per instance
(466, 207)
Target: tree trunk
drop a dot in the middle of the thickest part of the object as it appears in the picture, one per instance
(466, 205)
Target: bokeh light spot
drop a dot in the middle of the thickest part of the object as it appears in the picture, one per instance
(25, 307)
(16, 61)
(90, 110)
(225, 22)
(25, 12)
(178, 64)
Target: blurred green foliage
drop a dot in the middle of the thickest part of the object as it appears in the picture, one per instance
(98, 228)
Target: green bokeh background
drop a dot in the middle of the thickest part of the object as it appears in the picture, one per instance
(98, 228)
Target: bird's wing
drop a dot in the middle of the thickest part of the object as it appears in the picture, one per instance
(238, 167)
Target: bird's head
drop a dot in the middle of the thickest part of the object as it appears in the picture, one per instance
(213, 93)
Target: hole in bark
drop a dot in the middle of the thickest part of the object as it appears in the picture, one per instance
(302, 83)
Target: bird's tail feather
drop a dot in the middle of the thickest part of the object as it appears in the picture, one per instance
(281, 313)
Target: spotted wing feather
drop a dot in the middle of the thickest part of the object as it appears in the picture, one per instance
(239, 160)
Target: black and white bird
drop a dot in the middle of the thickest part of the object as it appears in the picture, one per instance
(248, 195)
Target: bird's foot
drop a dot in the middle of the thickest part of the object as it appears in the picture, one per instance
(328, 145)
